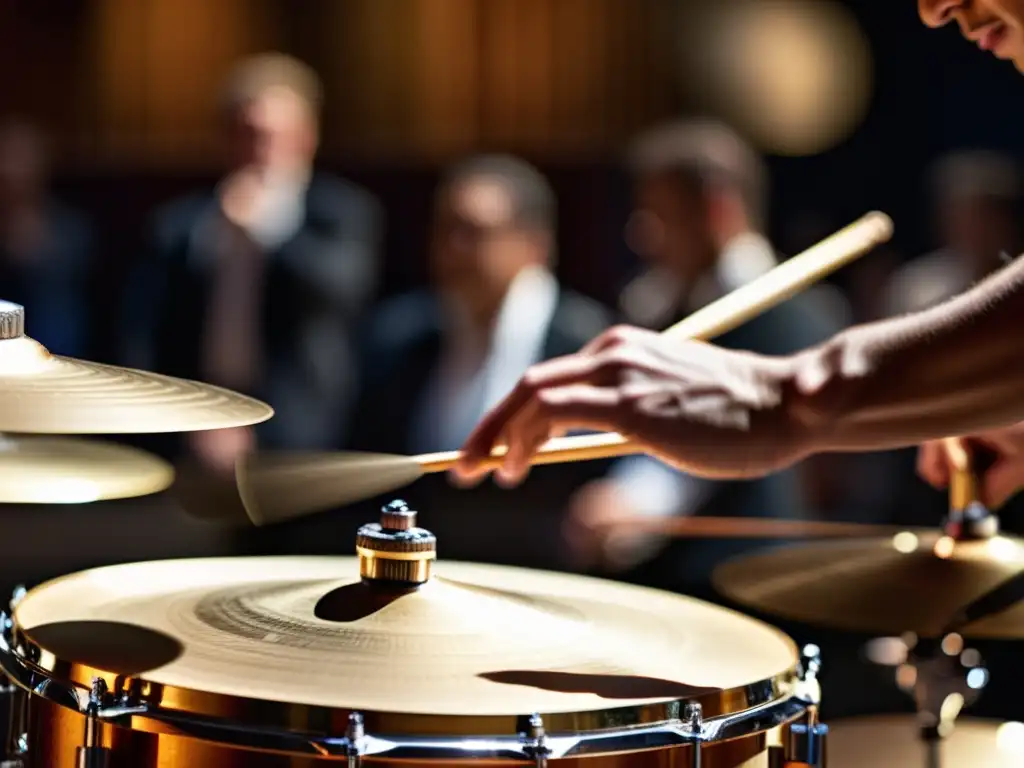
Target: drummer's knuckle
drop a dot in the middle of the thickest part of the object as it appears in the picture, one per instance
(617, 359)
(531, 380)
(617, 334)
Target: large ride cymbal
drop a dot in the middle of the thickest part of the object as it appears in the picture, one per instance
(41, 393)
(380, 633)
(53, 470)
(476, 639)
(894, 741)
(910, 582)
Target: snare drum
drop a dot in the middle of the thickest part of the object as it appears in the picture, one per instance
(296, 662)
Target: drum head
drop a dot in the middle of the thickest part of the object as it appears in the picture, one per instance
(476, 640)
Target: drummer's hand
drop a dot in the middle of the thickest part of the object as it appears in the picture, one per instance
(219, 449)
(706, 410)
(1003, 477)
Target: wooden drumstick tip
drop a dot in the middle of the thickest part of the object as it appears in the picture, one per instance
(884, 227)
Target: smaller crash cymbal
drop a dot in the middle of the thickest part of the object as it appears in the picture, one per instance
(911, 582)
(42, 393)
(54, 470)
(894, 741)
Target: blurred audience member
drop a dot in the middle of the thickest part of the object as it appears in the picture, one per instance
(700, 204)
(258, 284)
(440, 358)
(45, 247)
(977, 198)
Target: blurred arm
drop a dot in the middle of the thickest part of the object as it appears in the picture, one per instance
(951, 370)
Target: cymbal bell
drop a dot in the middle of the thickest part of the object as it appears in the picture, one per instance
(42, 393)
(52, 470)
(910, 582)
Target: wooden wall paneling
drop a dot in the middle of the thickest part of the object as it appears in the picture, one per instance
(370, 79)
(160, 64)
(577, 75)
(40, 66)
(445, 76)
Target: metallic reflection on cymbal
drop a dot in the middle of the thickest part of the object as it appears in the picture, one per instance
(475, 639)
(910, 582)
(894, 741)
(53, 470)
(41, 393)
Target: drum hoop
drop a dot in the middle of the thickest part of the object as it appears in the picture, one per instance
(68, 683)
(530, 736)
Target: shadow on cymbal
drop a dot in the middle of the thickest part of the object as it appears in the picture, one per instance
(605, 686)
(110, 646)
(353, 602)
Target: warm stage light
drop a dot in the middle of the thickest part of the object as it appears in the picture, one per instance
(793, 74)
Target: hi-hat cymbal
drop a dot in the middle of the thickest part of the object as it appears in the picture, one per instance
(53, 470)
(41, 393)
(894, 741)
(474, 639)
(910, 582)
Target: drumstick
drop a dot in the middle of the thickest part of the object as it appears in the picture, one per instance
(698, 527)
(731, 311)
(281, 486)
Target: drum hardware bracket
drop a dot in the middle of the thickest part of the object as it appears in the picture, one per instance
(536, 746)
(355, 740)
(695, 716)
(808, 687)
(945, 675)
(92, 753)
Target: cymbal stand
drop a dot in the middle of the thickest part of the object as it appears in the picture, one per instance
(943, 677)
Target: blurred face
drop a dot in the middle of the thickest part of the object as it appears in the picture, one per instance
(275, 132)
(477, 249)
(671, 228)
(994, 25)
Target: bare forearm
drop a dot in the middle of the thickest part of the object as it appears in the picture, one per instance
(952, 370)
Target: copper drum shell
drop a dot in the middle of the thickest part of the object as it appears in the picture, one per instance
(55, 733)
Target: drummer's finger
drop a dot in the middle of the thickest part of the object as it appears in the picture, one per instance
(554, 373)
(616, 336)
(576, 406)
(933, 464)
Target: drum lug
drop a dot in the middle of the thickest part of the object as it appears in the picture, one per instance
(17, 596)
(809, 688)
(355, 739)
(92, 753)
(695, 725)
(536, 742)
